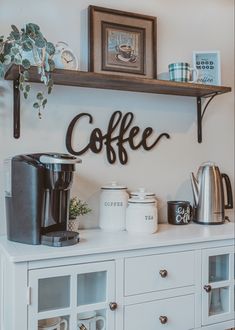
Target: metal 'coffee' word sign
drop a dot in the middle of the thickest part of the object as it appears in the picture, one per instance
(124, 134)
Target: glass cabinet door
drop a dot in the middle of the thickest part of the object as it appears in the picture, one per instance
(72, 297)
(95, 296)
(218, 285)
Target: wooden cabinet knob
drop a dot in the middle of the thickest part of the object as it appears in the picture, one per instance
(163, 319)
(113, 306)
(163, 273)
(207, 288)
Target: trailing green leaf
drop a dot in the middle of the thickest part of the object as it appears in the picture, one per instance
(36, 105)
(26, 75)
(40, 42)
(27, 46)
(40, 35)
(7, 60)
(14, 50)
(27, 88)
(50, 48)
(7, 48)
(15, 29)
(2, 58)
(17, 60)
(24, 38)
(26, 63)
(32, 28)
(44, 102)
(15, 35)
(50, 83)
(51, 64)
(40, 96)
(2, 71)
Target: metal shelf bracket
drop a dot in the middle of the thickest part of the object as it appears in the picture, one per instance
(200, 114)
(16, 108)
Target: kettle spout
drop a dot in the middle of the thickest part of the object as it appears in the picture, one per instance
(195, 187)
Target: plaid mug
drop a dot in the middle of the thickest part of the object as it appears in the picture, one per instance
(182, 72)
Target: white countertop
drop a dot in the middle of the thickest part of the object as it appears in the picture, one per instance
(97, 241)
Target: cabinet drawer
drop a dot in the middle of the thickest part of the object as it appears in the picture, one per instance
(178, 313)
(159, 272)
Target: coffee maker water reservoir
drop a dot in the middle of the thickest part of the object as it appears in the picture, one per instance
(37, 198)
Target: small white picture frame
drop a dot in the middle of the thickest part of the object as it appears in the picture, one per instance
(208, 65)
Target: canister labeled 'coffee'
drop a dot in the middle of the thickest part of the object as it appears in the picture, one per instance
(113, 204)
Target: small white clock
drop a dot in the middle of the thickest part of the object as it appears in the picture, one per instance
(64, 57)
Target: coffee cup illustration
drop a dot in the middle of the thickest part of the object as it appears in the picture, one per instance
(125, 51)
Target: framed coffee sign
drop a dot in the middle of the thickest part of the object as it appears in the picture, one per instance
(207, 64)
(122, 42)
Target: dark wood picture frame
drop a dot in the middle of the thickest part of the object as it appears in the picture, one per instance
(122, 43)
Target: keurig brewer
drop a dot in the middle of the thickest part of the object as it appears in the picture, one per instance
(37, 198)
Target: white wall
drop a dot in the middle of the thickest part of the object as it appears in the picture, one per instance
(183, 26)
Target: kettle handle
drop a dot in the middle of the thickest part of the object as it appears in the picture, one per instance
(229, 204)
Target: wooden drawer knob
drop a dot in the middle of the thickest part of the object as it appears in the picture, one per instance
(207, 288)
(113, 306)
(163, 319)
(163, 273)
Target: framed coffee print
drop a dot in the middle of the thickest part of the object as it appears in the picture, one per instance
(207, 64)
(122, 43)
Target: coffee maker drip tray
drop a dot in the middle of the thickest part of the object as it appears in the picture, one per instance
(60, 238)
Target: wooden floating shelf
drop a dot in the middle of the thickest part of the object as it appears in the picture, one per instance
(124, 83)
(117, 82)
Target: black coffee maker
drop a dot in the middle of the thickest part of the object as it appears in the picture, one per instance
(37, 198)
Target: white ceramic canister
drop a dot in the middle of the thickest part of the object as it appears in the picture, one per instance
(141, 215)
(113, 204)
(142, 191)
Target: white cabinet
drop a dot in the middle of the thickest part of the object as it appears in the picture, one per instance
(68, 292)
(130, 282)
(218, 285)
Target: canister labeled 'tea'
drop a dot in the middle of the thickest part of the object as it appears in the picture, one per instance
(141, 215)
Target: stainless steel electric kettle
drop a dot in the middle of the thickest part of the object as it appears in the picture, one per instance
(208, 192)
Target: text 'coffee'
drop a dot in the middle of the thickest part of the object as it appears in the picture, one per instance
(119, 133)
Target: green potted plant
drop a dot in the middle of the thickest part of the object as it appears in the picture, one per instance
(76, 208)
(26, 47)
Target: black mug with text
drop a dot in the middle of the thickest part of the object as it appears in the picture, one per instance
(179, 212)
